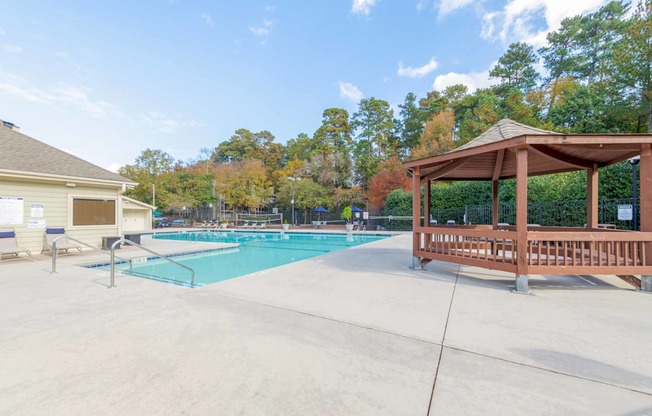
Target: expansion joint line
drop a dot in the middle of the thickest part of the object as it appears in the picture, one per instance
(443, 339)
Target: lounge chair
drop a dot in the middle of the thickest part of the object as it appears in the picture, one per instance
(263, 224)
(51, 234)
(253, 225)
(9, 245)
(245, 224)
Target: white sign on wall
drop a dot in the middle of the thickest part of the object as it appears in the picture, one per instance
(37, 210)
(36, 224)
(625, 212)
(11, 210)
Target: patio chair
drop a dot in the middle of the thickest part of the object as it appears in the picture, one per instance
(254, 224)
(263, 224)
(51, 234)
(9, 245)
(245, 224)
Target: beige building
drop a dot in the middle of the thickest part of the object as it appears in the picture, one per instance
(41, 186)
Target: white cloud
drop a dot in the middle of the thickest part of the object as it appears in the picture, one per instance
(515, 21)
(362, 6)
(113, 167)
(207, 19)
(473, 80)
(262, 30)
(12, 48)
(449, 6)
(79, 98)
(418, 72)
(350, 91)
(27, 94)
(63, 94)
(167, 124)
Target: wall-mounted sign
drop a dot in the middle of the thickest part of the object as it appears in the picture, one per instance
(11, 210)
(36, 224)
(37, 210)
(625, 212)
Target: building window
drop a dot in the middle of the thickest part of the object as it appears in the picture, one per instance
(93, 212)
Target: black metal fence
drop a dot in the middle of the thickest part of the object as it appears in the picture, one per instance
(556, 213)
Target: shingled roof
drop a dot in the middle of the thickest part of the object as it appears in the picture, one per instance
(492, 155)
(504, 129)
(23, 154)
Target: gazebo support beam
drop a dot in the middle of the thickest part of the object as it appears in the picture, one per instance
(522, 285)
(645, 199)
(500, 158)
(416, 215)
(494, 204)
(426, 202)
(569, 160)
(592, 197)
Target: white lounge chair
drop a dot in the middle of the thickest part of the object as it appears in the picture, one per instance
(63, 244)
(245, 224)
(263, 224)
(9, 244)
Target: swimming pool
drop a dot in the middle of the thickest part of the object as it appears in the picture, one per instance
(257, 251)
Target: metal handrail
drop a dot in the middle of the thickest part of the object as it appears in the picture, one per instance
(124, 240)
(54, 251)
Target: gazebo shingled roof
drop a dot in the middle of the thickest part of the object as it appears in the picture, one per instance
(513, 150)
(492, 155)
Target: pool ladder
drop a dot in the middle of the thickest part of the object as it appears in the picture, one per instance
(131, 243)
(54, 251)
(113, 256)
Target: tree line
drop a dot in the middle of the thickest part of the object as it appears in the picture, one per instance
(598, 79)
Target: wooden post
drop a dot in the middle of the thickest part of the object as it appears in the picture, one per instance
(494, 205)
(645, 192)
(416, 215)
(521, 221)
(426, 202)
(592, 197)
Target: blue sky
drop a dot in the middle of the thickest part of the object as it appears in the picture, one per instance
(105, 80)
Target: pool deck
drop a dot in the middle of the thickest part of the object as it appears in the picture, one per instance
(353, 332)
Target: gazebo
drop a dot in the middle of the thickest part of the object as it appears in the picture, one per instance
(512, 150)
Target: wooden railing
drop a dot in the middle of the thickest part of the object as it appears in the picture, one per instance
(550, 250)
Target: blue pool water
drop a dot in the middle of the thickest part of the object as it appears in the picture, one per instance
(257, 251)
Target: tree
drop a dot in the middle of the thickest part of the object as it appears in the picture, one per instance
(516, 67)
(374, 122)
(583, 110)
(437, 136)
(596, 39)
(560, 56)
(410, 125)
(633, 57)
(399, 202)
(307, 195)
(331, 170)
(349, 196)
(334, 135)
(391, 175)
(476, 112)
(243, 184)
(346, 214)
(147, 171)
(300, 148)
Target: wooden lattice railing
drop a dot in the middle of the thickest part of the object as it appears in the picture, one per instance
(550, 250)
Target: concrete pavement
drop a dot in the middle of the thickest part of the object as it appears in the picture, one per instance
(353, 332)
